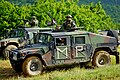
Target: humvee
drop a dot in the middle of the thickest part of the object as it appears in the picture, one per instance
(17, 38)
(66, 47)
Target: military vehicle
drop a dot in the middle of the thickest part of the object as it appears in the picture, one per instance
(17, 38)
(66, 47)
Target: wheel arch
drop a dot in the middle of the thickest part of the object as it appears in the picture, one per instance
(101, 58)
(12, 43)
(36, 55)
(107, 49)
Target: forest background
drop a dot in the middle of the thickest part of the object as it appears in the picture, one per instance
(93, 15)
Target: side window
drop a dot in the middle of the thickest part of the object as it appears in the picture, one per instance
(61, 41)
(80, 40)
(45, 38)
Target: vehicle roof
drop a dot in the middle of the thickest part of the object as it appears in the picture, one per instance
(37, 29)
(65, 33)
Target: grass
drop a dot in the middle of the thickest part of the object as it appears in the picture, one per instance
(111, 72)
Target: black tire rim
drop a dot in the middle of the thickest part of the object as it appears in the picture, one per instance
(35, 65)
(103, 60)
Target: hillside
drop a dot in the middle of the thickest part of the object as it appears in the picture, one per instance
(112, 7)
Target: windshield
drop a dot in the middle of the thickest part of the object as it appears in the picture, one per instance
(16, 33)
(44, 38)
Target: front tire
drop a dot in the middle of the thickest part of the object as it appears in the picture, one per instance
(32, 66)
(101, 58)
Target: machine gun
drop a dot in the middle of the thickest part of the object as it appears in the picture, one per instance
(53, 22)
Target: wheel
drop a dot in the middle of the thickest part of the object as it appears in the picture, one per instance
(101, 58)
(7, 49)
(32, 66)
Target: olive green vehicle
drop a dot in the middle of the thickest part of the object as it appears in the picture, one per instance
(64, 47)
(17, 38)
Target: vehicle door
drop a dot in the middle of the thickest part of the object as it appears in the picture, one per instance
(62, 49)
(81, 47)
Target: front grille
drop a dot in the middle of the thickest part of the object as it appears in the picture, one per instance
(14, 55)
(11, 54)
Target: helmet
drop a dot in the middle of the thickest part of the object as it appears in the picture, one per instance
(33, 17)
(68, 16)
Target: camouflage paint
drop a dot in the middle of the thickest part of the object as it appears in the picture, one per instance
(72, 53)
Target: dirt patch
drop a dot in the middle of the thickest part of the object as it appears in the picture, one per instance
(6, 70)
(6, 73)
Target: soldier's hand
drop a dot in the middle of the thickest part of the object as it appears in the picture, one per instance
(57, 27)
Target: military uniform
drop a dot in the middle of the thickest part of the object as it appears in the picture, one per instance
(68, 24)
(34, 22)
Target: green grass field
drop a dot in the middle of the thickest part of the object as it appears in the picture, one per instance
(111, 72)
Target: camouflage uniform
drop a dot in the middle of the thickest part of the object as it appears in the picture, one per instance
(34, 22)
(68, 24)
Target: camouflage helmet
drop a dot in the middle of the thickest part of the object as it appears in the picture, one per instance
(33, 17)
(68, 16)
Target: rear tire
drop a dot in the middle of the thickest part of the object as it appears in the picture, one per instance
(32, 66)
(6, 51)
(101, 58)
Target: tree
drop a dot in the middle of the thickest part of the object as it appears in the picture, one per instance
(91, 16)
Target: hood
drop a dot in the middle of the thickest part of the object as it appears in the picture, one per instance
(35, 48)
(10, 39)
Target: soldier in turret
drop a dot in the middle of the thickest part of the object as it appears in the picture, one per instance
(68, 23)
(34, 22)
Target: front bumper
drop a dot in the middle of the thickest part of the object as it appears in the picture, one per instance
(13, 55)
(15, 58)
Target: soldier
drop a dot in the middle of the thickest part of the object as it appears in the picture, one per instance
(34, 22)
(68, 24)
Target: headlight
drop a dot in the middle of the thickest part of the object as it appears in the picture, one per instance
(14, 55)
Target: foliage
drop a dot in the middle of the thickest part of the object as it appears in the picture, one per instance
(10, 15)
(113, 11)
(111, 7)
(91, 16)
(7, 13)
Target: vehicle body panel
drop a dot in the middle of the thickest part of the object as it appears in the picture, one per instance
(20, 37)
(68, 47)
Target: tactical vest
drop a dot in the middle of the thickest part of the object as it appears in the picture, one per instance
(34, 23)
(68, 24)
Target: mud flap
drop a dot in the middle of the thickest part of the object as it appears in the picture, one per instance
(117, 58)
